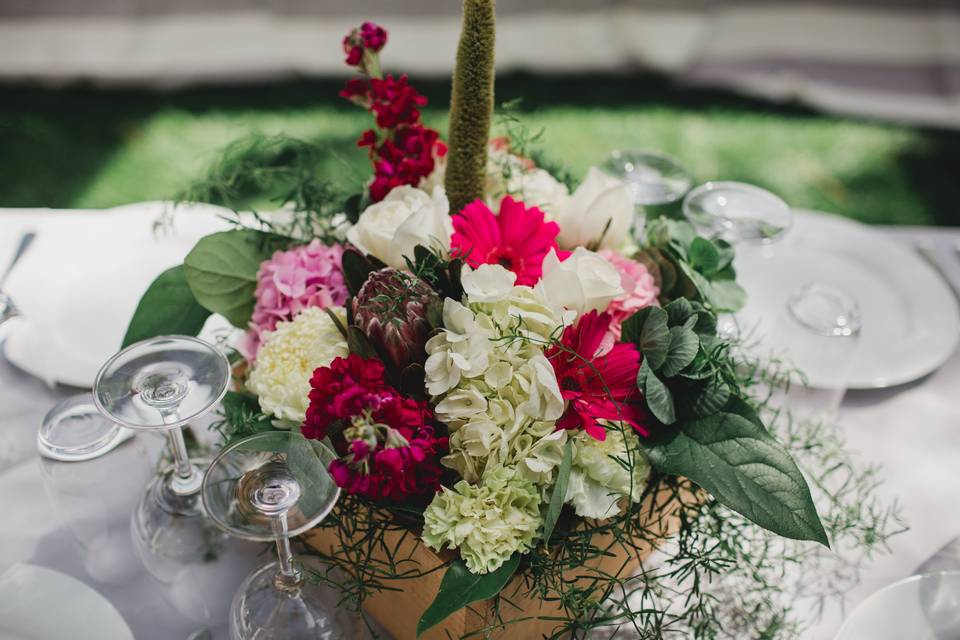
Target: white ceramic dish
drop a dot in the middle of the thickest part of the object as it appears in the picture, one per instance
(911, 323)
(919, 608)
(36, 602)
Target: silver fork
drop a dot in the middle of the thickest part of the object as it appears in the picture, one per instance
(7, 308)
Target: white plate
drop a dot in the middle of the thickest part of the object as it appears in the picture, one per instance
(919, 608)
(911, 323)
(36, 602)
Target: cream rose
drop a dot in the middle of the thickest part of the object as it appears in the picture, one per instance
(598, 214)
(582, 283)
(391, 228)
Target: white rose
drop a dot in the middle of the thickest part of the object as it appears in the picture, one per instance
(487, 283)
(597, 215)
(391, 228)
(537, 188)
(583, 282)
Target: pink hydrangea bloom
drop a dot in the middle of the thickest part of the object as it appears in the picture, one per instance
(639, 289)
(290, 281)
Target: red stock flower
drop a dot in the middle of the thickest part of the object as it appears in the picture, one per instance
(387, 448)
(395, 102)
(518, 238)
(406, 159)
(599, 380)
(369, 37)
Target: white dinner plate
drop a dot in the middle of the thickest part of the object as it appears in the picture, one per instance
(919, 608)
(36, 602)
(911, 323)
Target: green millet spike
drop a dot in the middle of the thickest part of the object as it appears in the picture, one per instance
(471, 105)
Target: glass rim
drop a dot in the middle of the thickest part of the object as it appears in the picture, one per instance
(746, 187)
(182, 421)
(268, 535)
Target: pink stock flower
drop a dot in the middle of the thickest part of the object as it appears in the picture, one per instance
(598, 380)
(518, 238)
(639, 289)
(290, 281)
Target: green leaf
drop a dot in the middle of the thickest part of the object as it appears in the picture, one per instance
(710, 398)
(459, 588)
(683, 348)
(559, 492)
(745, 468)
(359, 343)
(356, 269)
(222, 272)
(679, 311)
(726, 296)
(168, 306)
(704, 256)
(647, 328)
(657, 395)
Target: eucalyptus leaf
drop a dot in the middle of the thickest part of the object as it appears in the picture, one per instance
(647, 328)
(679, 311)
(745, 468)
(704, 256)
(683, 348)
(459, 588)
(221, 270)
(559, 492)
(657, 395)
(727, 296)
(167, 306)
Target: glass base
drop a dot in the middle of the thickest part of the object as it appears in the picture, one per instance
(171, 529)
(262, 611)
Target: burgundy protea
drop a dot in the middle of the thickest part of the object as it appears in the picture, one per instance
(391, 309)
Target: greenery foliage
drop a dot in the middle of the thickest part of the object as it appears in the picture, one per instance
(471, 105)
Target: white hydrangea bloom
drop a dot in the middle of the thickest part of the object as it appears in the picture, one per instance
(598, 482)
(287, 358)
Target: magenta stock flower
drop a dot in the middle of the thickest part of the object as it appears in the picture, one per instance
(639, 289)
(518, 238)
(290, 281)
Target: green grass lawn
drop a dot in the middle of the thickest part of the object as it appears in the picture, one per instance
(88, 148)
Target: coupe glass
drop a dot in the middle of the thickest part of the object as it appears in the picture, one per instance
(737, 212)
(161, 384)
(269, 487)
(656, 181)
(923, 607)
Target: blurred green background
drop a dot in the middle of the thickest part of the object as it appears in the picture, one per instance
(95, 148)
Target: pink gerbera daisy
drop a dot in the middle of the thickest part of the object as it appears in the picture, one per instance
(598, 380)
(518, 238)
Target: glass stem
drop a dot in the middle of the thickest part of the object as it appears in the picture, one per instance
(289, 577)
(186, 478)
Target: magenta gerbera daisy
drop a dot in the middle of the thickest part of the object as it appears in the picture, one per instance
(518, 238)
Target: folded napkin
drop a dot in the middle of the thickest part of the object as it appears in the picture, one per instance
(79, 283)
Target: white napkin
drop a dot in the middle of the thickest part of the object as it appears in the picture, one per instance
(79, 283)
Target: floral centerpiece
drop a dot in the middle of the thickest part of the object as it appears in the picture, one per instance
(524, 401)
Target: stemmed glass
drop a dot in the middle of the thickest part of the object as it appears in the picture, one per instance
(655, 180)
(269, 487)
(739, 213)
(161, 384)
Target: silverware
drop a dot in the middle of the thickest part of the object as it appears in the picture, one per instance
(930, 257)
(7, 308)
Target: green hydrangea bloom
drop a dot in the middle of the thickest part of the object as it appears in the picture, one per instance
(600, 475)
(488, 522)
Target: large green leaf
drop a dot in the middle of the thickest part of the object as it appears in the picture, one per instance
(647, 328)
(168, 306)
(734, 458)
(222, 272)
(459, 588)
(559, 492)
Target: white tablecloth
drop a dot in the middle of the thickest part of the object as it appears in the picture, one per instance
(74, 518)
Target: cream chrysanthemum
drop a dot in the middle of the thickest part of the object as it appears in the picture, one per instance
(288, 356)
(486, 523)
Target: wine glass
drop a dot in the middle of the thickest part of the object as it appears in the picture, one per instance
(818, 332)
(269, 487)
(655, 180)
(740, 213)
(75, 430)
(161, 384)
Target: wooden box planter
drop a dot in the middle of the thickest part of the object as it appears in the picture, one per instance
(398, 612)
